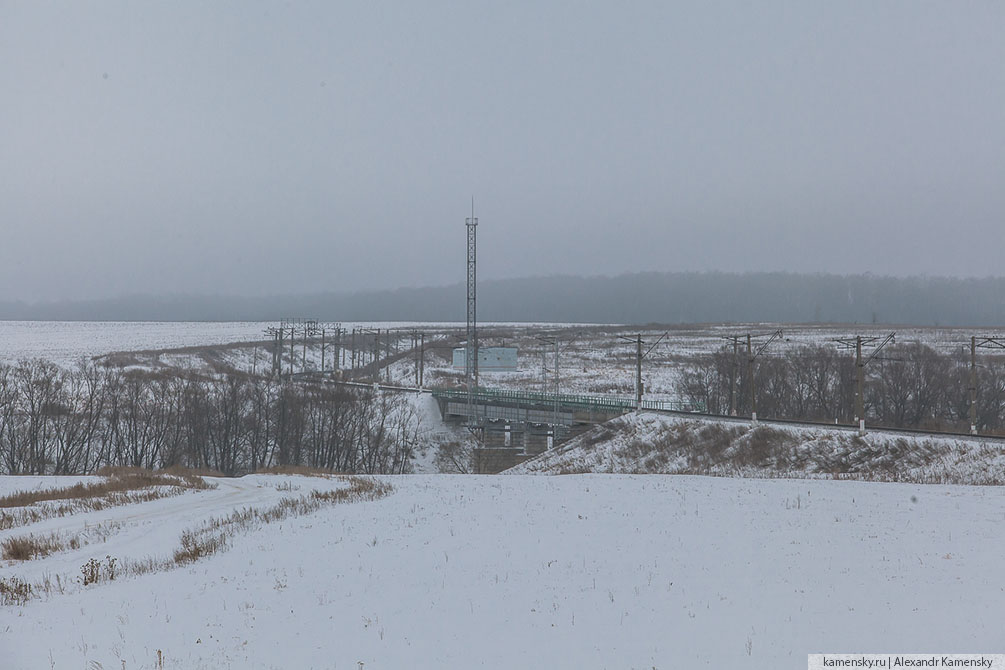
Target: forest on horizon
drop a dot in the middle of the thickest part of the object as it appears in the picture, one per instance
(650, 297)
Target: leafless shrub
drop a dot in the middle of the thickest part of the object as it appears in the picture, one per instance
(454, 457)
(14, 591)
(95, 571)
(598, 434)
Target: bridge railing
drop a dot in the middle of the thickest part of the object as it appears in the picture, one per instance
(567, 400)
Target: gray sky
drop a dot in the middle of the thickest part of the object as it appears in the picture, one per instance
(260, 148)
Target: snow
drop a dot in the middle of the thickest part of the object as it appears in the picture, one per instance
(66, 342)
(9, 485)
(596, 361)
(653, 443)
(433, 431)
(598, 571)
(154, 526)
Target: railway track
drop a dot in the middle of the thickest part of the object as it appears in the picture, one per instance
(841, 427)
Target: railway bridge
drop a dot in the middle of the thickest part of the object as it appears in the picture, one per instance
(516, 425)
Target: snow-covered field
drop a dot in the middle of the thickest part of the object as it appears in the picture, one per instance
(66, 342)
(592, 359)
(598, 360)
(586, 571)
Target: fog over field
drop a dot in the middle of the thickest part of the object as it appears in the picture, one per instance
(260, 149)
(706, 297)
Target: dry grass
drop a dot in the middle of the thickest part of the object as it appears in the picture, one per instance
(179, 471)
(694, 447)
(14, 591)
(31, 546)
(121, 486)
(301, 470)
(27, 547)
(95, 571)
(116, 480)
(213, 537)
(215, 534)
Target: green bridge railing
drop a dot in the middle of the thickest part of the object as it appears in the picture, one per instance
(569, 401)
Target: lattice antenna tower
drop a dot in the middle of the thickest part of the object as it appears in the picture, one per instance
(471, 345)
(471, 348)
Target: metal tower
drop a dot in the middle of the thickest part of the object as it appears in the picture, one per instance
(471, 349)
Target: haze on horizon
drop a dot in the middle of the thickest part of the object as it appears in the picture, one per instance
(260, 148)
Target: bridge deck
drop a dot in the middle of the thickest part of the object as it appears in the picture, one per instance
(565, 402)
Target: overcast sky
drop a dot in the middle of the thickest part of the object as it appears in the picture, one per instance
(259, 148)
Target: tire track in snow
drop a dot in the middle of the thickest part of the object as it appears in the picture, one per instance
(140, 530)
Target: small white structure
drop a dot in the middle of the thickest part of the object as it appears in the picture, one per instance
(490, 359)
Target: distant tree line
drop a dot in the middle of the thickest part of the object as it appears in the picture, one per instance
(75, 421)
(650, 297)
(909, 386)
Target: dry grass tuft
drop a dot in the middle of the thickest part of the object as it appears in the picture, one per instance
(27, 547)
(302, 470)
(212, 537)
(215, 534)
(179, 471)
(121, 471)
(14, 591)
(116, 480)
(193, 547)
(122, 486)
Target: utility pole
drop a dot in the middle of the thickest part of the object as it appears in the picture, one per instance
(338, 349)
(293, 327)
(751, 356)
(415, 350)
(860, 364)
(859, 387)
(471, 345)
(277, 348)
(637, 339)
(973, 385)
(303, 362)
(547, 341)
(753, 386)
(735, 339)
(638, 371)
(277, 362)
(975, 344)
(555, 411)
(422, 358)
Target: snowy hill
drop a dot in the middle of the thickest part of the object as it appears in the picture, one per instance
(650, 443)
